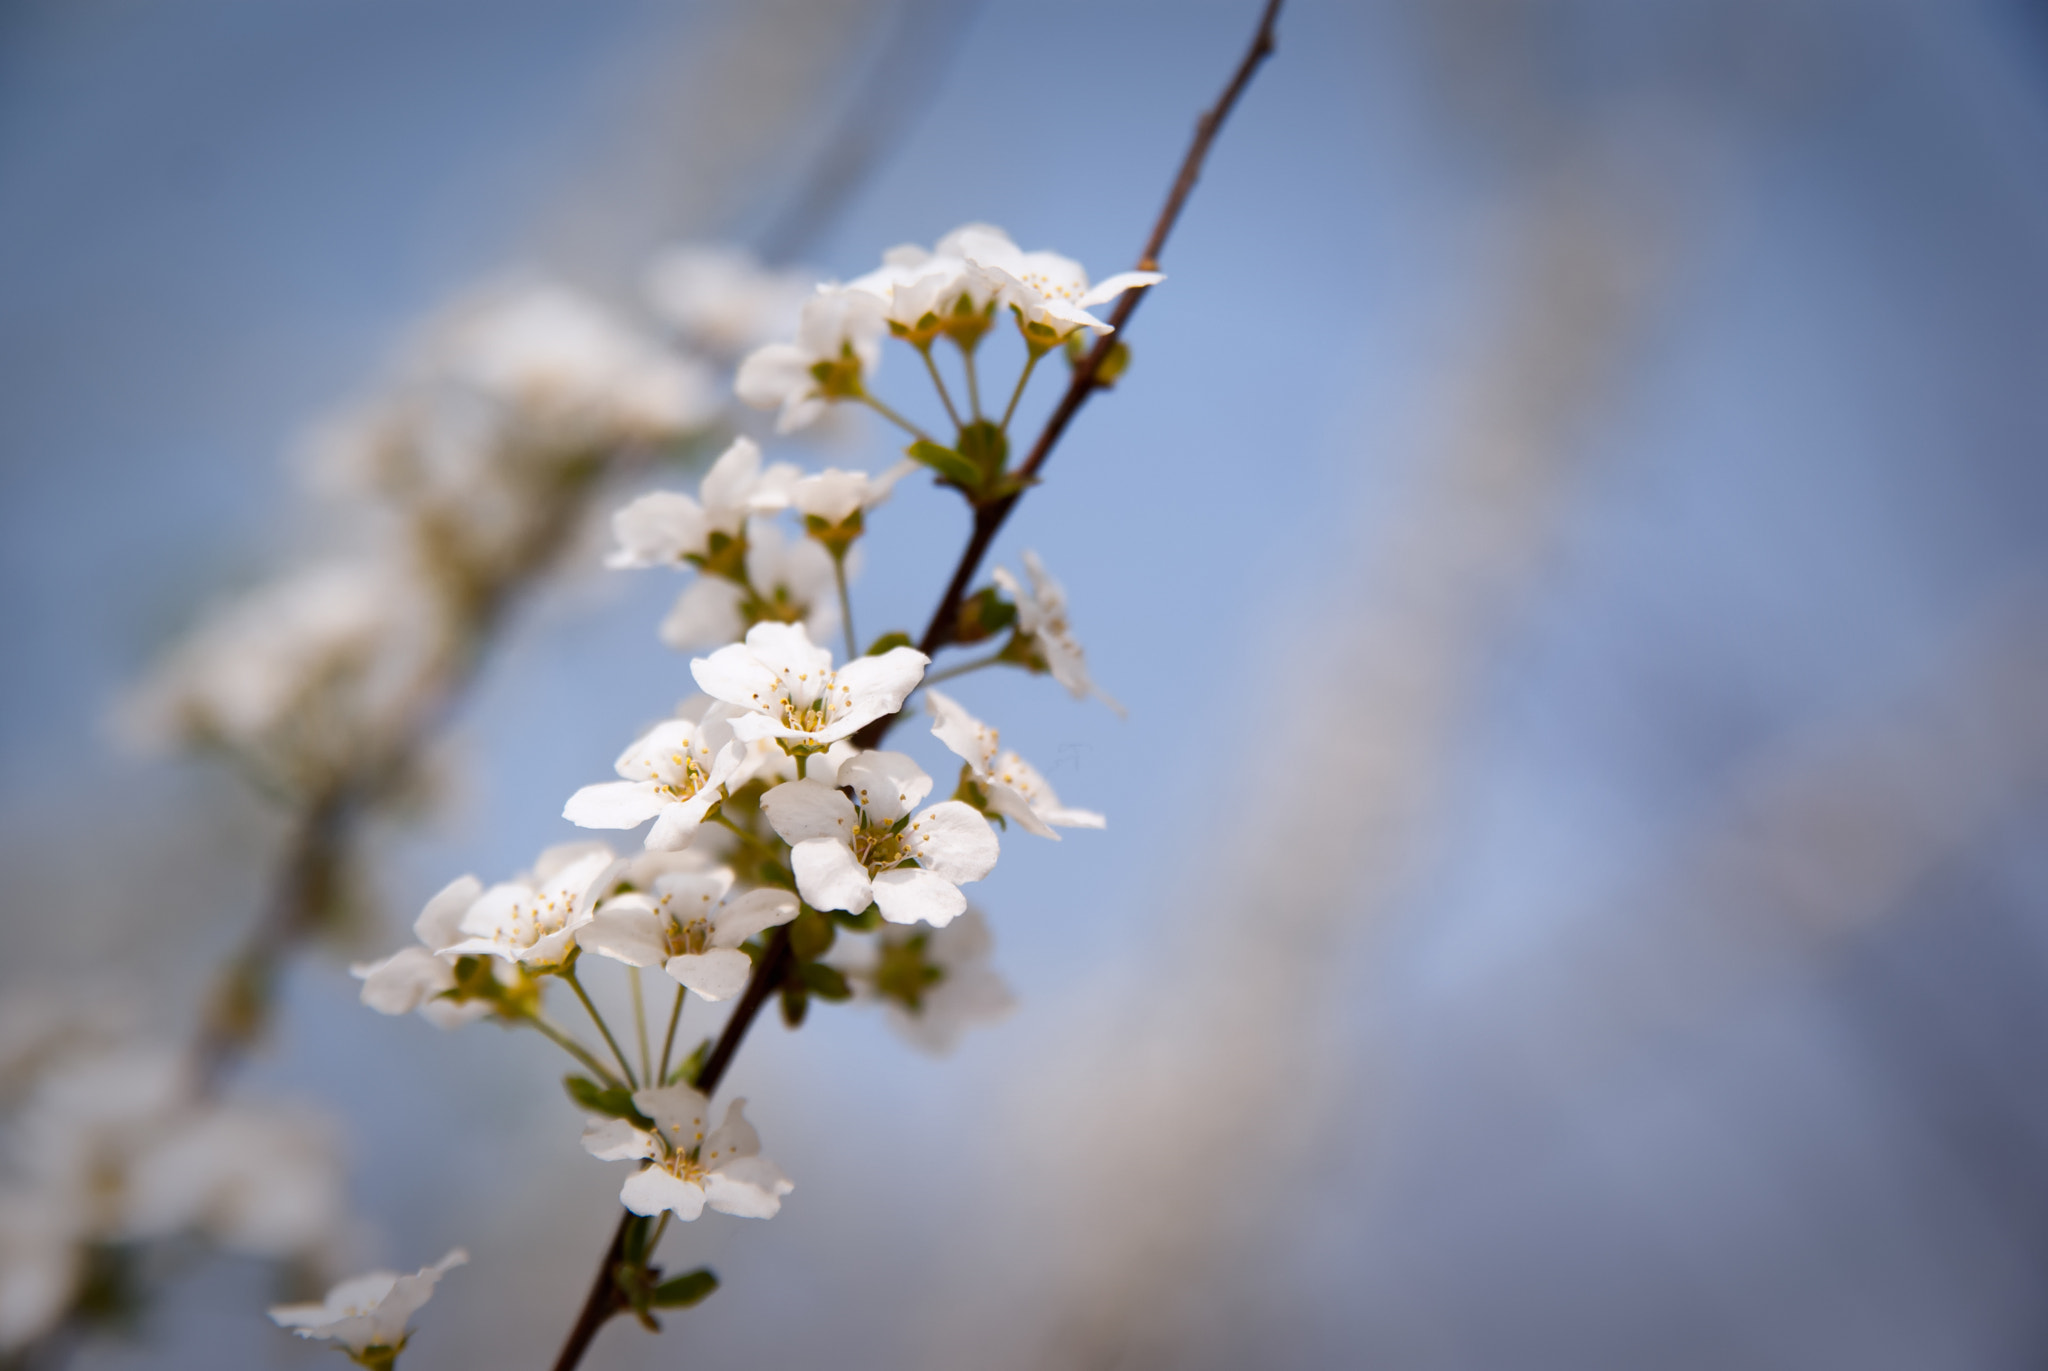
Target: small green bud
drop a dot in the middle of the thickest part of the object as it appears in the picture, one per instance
(888, 641)
(983, 615)
(826, 982)
(810, 935)
(680, 1292)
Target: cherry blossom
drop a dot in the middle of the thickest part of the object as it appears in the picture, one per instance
(416, 979)
(1042, 621)
(560, 359)
(669, 528)
(785, 687)
(1049, 293)
(689, 1170)
(533, 920)
(936, 982)
(673, 774)
(849, 854)
(838, 345)
(369, 1311)
(722, 299)
(1009, 785)
(688, 927)
(787, 580)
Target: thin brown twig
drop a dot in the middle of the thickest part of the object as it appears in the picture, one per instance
(604, 1299)
(989, 518)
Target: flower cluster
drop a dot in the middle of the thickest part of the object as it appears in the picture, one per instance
(113, 1145)
(775, 825)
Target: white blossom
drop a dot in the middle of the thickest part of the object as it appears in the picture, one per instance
(785, 687)
(370, 1310)
(848, 854)
(533, 920)
(673, 774)
(1042, 617)
(689, 928)
(936, 982)
(253, 661)
(792, 581)
(1013, 787)
(722, 299)
(838, 345)
(558, 358)
(836, 496)
(668, 528)
(41, 1264)
(414, 979)
(259, 1179)
(124, 1144)
(1049, 293)
(688, 1170)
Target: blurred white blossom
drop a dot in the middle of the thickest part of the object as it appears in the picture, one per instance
(370, 1310)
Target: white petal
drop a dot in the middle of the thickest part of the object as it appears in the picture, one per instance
(692, 892)
(614, 804)
(650, 1190)
(747, 1188)
(1012, 805)
(788, 649)
(440, 923)
(750, 913)
(828, 876)
(627, 930)
(771, 375)
(615, 1140)
(887, 785)
(718, 974)
(682, 1113)
(678, 822)
(803, 810)
(734, 674)
(729, 482)
(910, 894)
(706, 614)
(404, 980)
(1105, 291)
(965, 736)
(953, 840)
(657, 529)
(732, 1139)
(871, 687)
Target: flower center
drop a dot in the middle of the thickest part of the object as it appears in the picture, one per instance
(689, 774)
(688, 937)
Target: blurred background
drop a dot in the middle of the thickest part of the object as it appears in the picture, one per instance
(1575, 891)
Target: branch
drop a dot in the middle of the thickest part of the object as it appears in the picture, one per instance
(989, 518)
(604, 1299)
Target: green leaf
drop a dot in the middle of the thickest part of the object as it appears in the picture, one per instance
(948, 463)
(888, 641)
(826, 982)
(680, 1292)
(616, 1102)
(985, 445)
(693, 1065)
(795, 1002)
